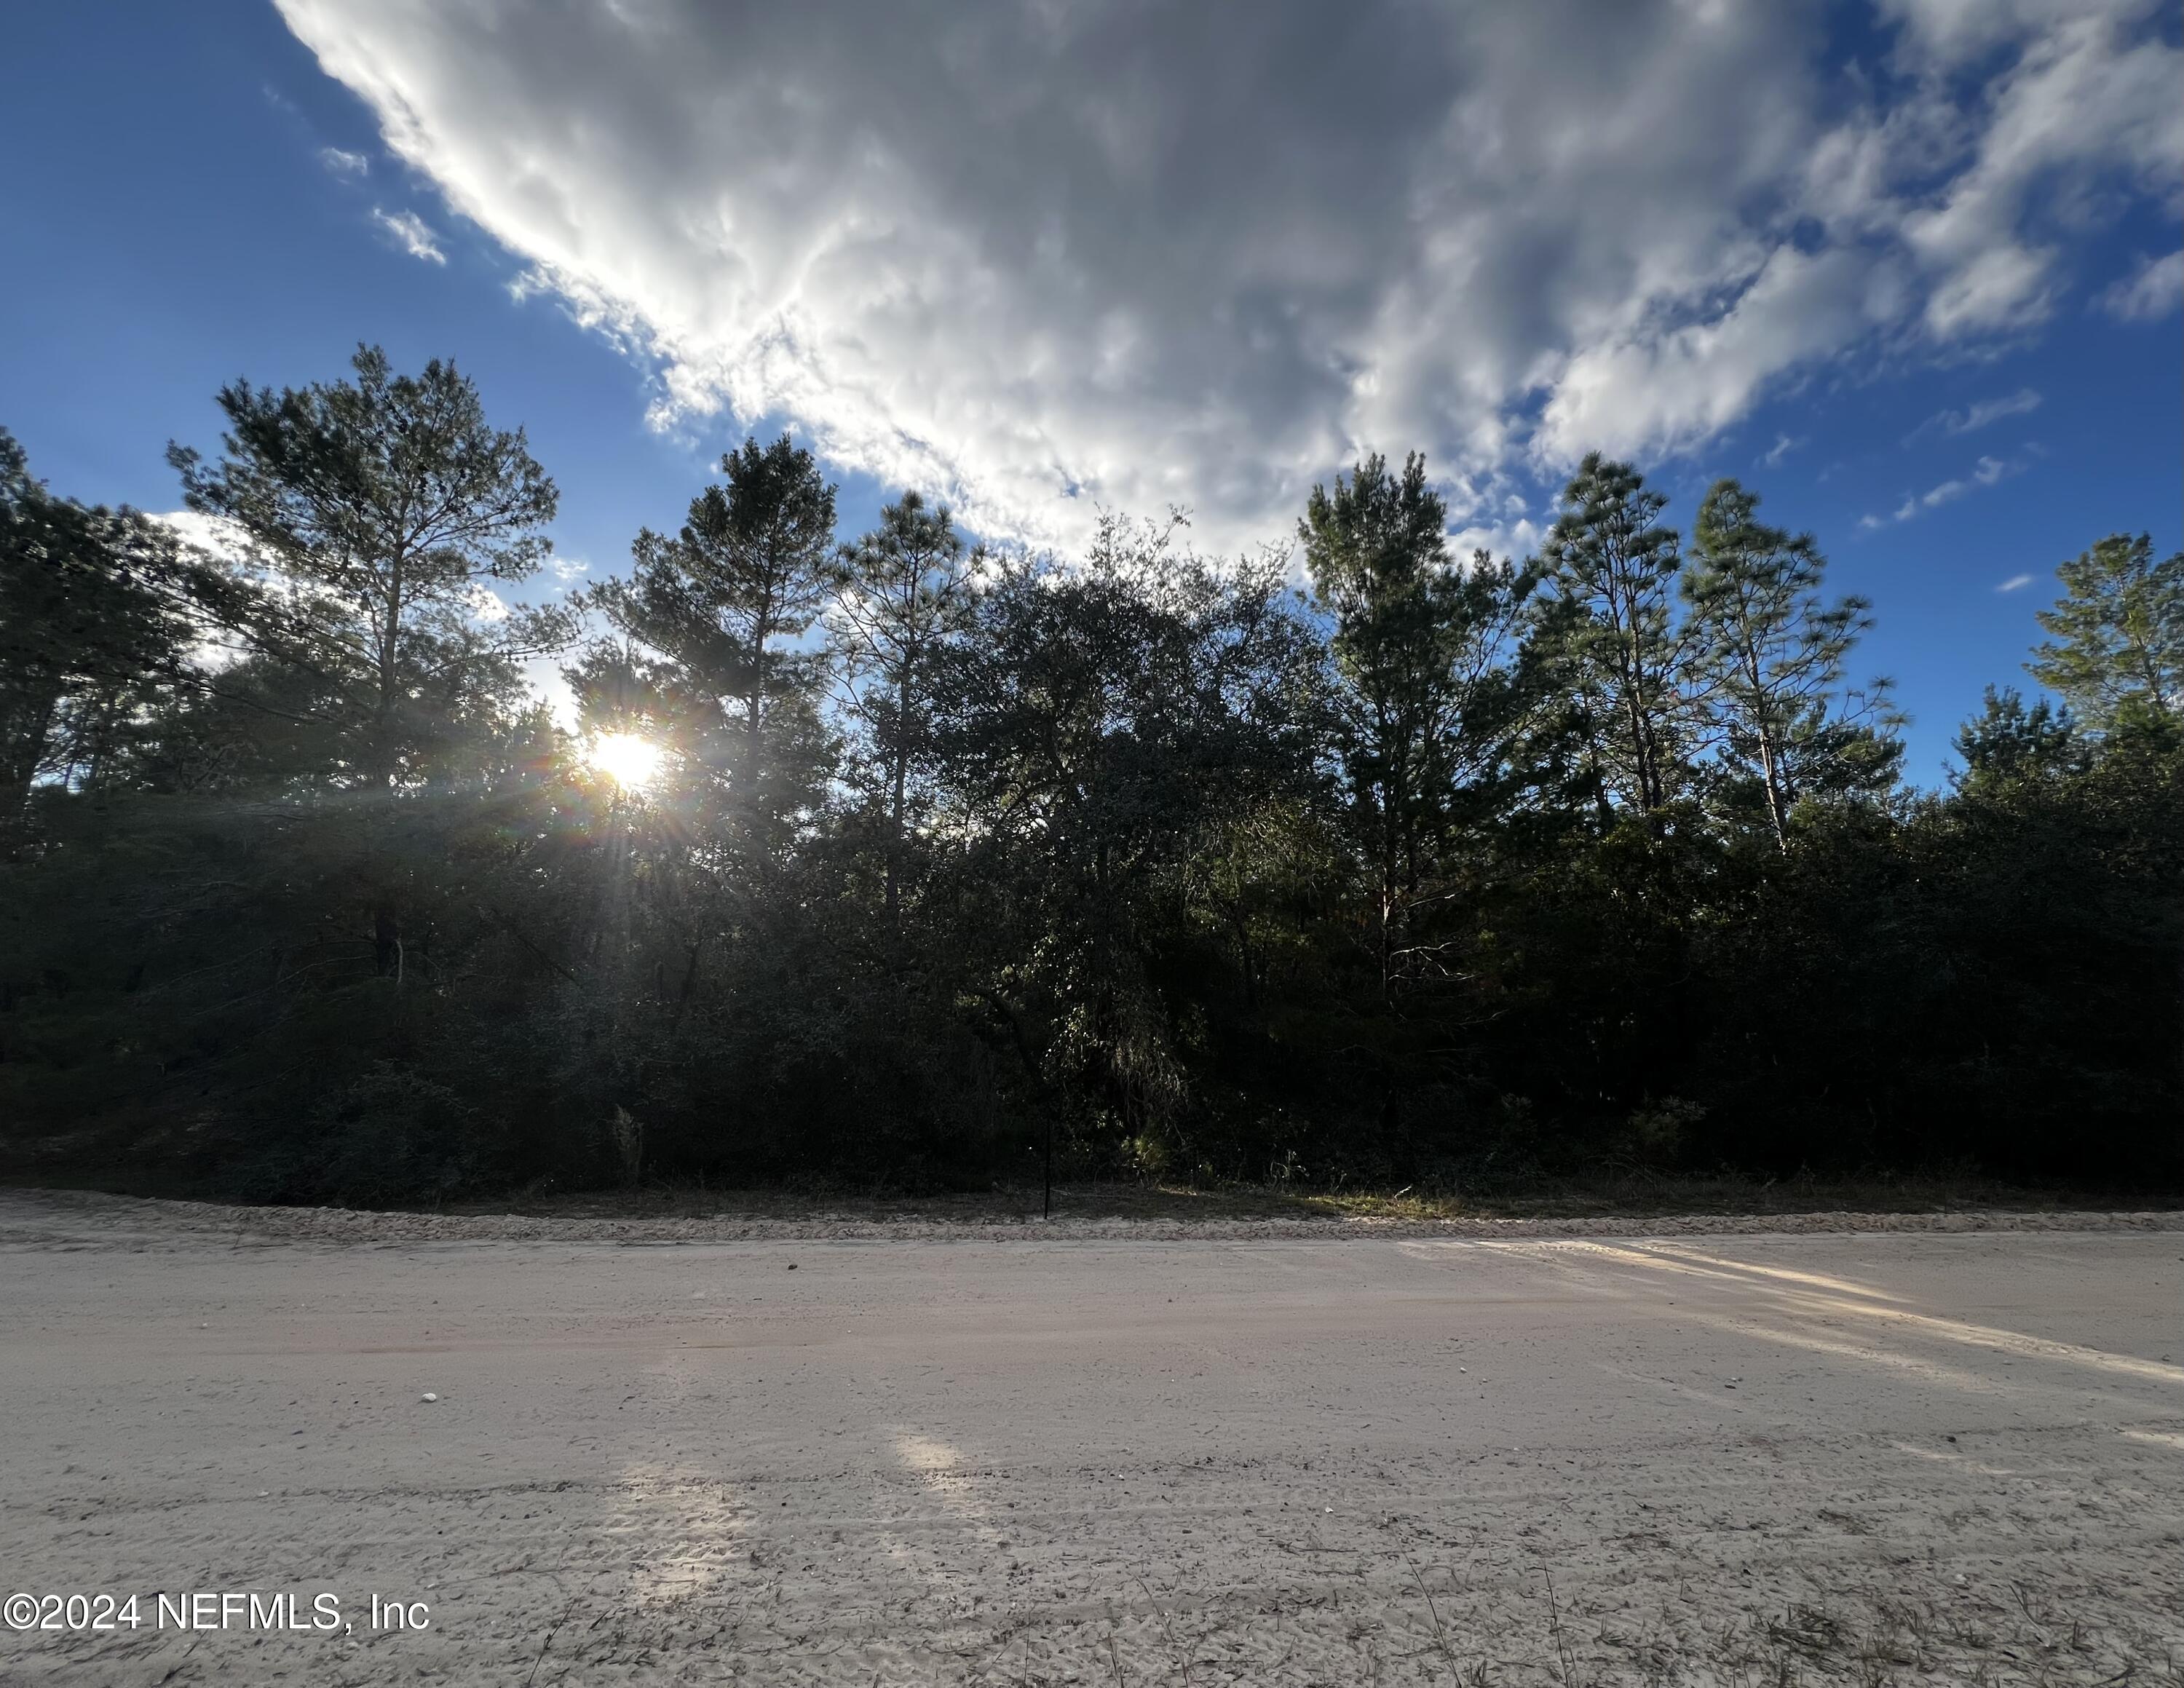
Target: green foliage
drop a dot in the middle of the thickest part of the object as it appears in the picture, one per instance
(1443, 871)
(2007, 742)
(1103, 727)
(906, 598)
(1768, 658)
(390, 1136)
(1425, 707)
(2115, 650)
(709, 614)
(380, 508)
(98, 610)
(1608, 624)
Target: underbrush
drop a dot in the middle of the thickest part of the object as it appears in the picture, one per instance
(1606, 1193)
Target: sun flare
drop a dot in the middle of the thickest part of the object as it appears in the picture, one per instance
(626, 759)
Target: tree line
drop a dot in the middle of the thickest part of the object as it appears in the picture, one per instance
(919, 853)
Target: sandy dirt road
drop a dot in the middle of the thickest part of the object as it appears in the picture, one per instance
(1866, 1458)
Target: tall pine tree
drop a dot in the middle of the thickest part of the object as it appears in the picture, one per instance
(1610, 571)
(386, 509)
(1768, 656)
(906, 592)
(1424, 700)
(721, 602)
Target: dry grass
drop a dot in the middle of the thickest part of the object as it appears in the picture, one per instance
(1635, 1195)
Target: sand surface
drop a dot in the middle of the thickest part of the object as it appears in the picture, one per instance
(1858, 1452)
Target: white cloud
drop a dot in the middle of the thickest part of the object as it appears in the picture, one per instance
(1516, 538)
(2088, 103)
(1655, 390)
(218, 534)
(2152, 290)
(1783, 446)
(1076, 252)
(2016, 582)
(2021, 402)
(486, 605)
(342, 163)
(411, 233)
(1988, 472)
(568, 569)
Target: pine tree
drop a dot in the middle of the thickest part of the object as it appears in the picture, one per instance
(99, 610)
(383, 507)
(2116, 643)
(906, 592)
(2007, 741)
(750, 570)
(1422, 701)
(1610, 569)
(1767, 657)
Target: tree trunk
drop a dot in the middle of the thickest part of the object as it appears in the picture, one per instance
(1387, 908)
(390, 647)
(386, 941)
(1776, 806)
(748, 794)
(898, 799)
(28, 724)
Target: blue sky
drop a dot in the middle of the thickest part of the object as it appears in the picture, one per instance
(1910, 277)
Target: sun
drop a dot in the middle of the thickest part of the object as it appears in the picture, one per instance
(626, 759)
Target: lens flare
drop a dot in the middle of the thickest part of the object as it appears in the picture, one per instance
(629, 760)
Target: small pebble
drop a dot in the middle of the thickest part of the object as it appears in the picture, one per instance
(428, 1395)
